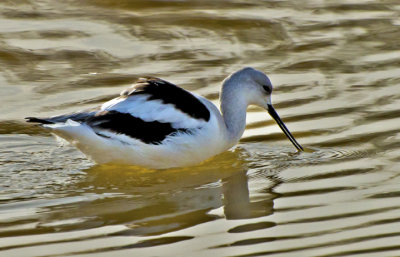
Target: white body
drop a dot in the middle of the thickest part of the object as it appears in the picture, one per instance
(176, 151)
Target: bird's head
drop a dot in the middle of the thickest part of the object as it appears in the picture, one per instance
(257, 88)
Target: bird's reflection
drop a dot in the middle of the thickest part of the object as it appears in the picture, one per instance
(154, 202)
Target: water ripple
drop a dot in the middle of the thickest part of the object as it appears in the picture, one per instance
(334, 66)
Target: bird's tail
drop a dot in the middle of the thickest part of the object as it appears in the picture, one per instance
(38, 120)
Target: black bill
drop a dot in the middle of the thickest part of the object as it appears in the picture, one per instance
(285, 130)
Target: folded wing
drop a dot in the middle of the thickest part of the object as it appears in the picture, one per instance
(149, 111)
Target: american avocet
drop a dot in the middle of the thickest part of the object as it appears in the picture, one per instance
(156, 124)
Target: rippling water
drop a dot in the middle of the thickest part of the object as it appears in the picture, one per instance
(336, 70)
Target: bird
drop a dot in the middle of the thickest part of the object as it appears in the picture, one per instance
(158, 125)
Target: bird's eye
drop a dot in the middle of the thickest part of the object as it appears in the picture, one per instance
(267, 89)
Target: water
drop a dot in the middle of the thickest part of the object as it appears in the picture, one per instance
(335, 67)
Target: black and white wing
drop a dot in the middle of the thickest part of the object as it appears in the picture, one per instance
(149, 111)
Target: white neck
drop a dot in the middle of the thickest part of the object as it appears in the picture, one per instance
(233, 108)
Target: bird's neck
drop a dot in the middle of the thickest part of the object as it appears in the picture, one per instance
(235, 121)
(233, 110)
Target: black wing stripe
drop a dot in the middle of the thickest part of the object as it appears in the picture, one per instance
(153, 132)
(168, 93)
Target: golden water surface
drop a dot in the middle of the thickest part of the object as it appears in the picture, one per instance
(335, 66)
